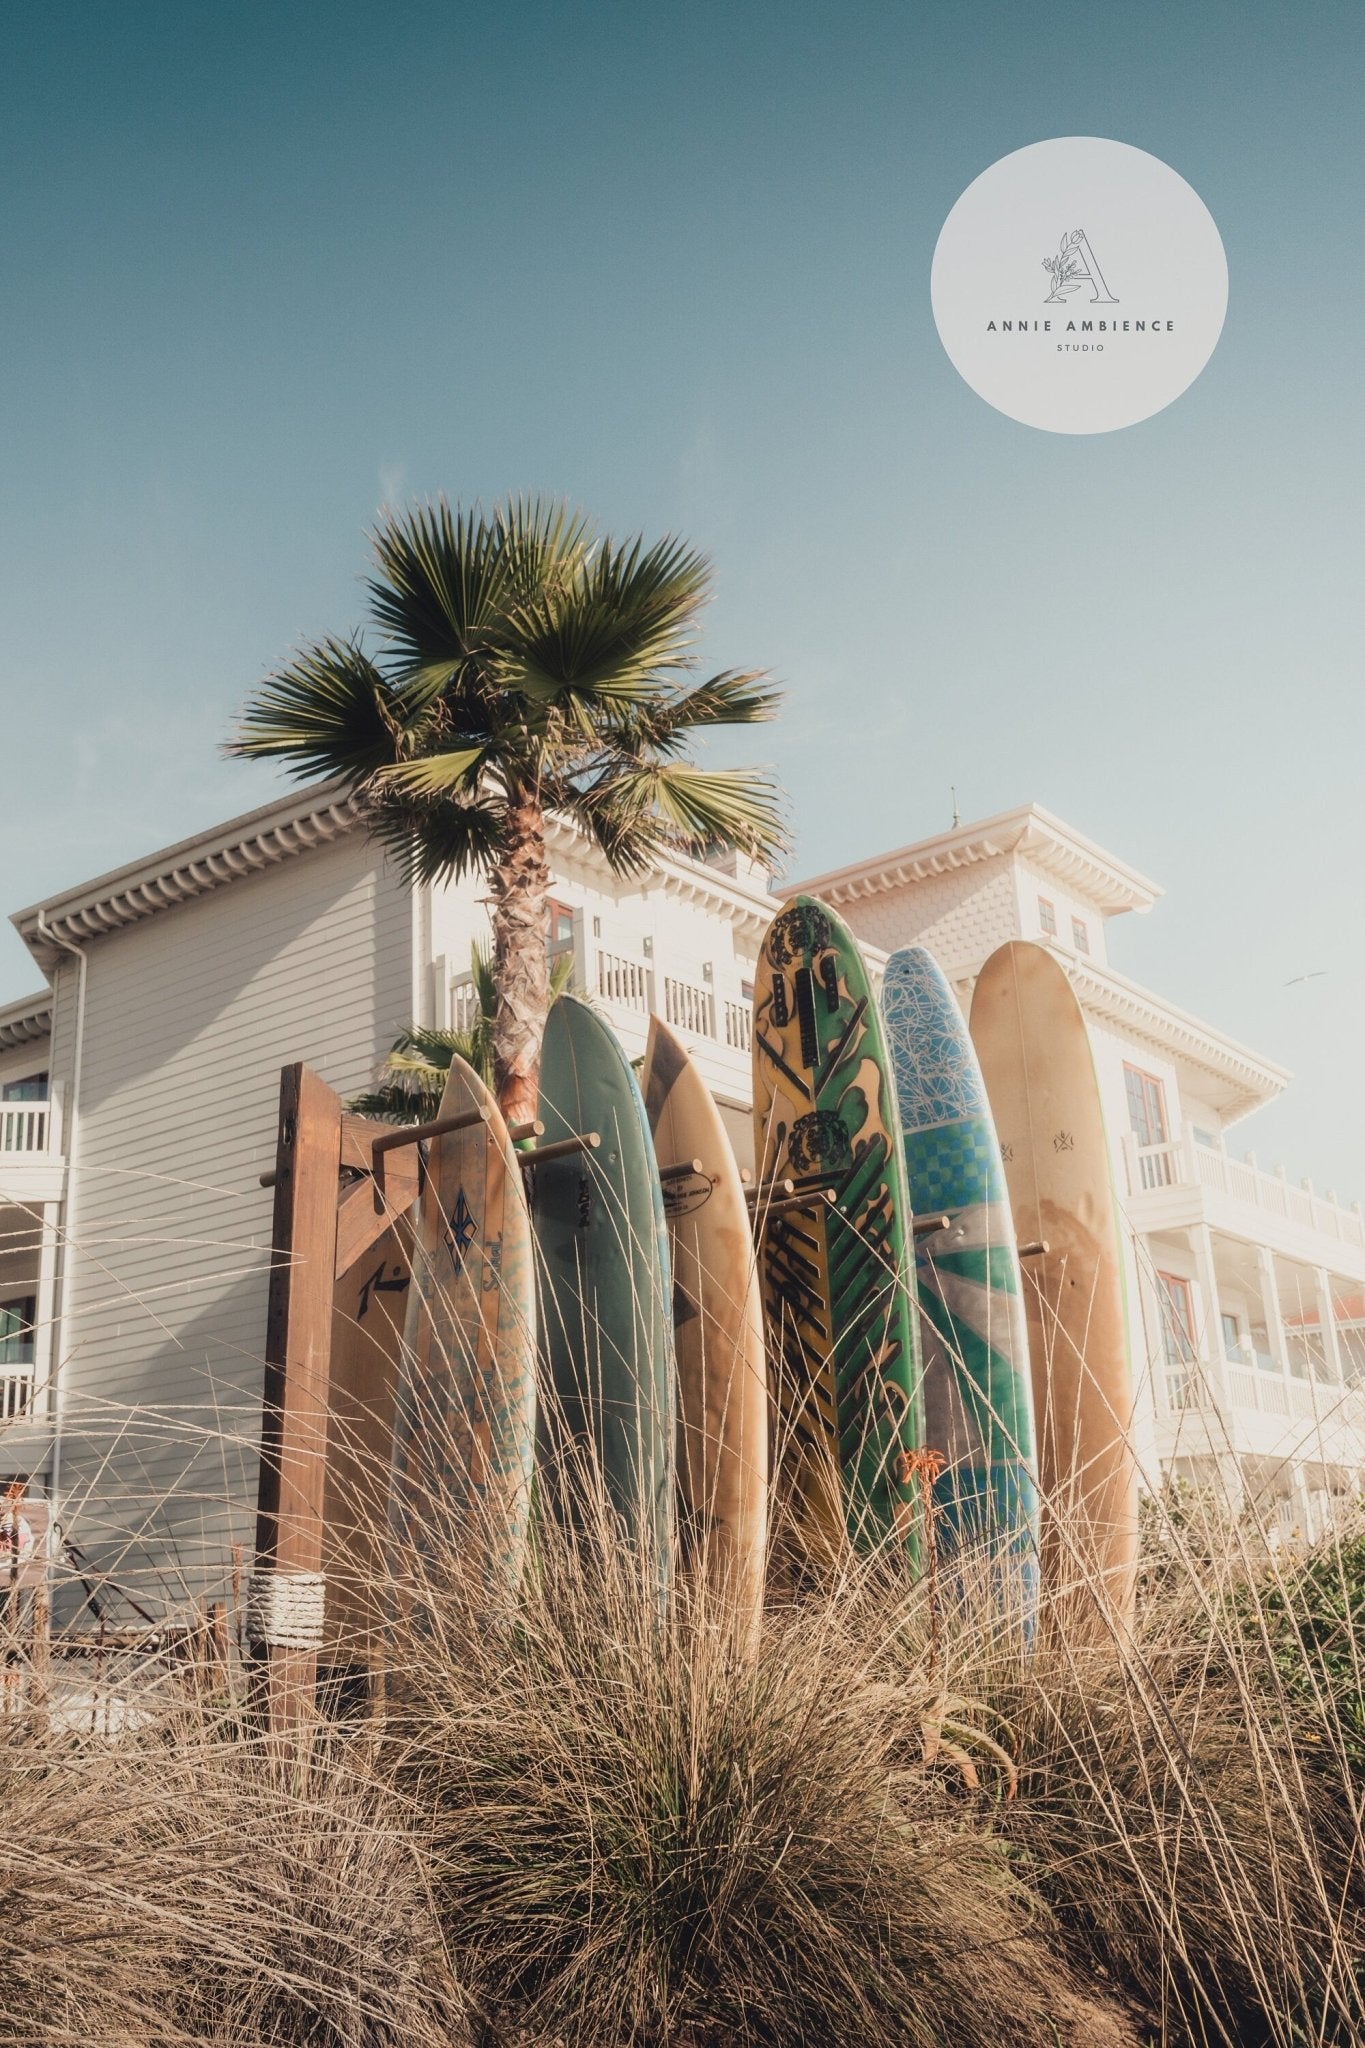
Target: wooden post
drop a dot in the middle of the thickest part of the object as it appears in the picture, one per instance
(286, 1598)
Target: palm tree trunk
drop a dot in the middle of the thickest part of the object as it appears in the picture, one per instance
(520, 965)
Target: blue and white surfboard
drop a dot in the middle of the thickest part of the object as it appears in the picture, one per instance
(978, 1396)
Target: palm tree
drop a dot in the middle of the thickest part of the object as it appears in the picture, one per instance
(528, 668)
(413, 1075)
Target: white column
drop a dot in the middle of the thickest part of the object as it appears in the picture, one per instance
(1150, 1350)
(1201, 1239)
(46, 1345)
(1331, 1348)
(1270, 1308)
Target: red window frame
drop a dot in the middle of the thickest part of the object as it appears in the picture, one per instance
(1177, 1318)
(1047, 916)
(558, 924)
(1146, 1105)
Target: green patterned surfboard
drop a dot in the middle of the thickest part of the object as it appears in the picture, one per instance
(978, 1398)
(837, 1276)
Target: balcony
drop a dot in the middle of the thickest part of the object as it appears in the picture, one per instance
(31, 1163)
(1243, 1403)
(16, 1392)
(715, 1020)
(1182, 1182)
(25, 1126)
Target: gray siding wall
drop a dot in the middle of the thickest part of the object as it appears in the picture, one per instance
(189, 1018)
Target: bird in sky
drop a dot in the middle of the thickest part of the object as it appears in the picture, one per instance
(1297, 978)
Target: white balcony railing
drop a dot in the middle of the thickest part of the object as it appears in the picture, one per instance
(739, 1025)
(623, 981)
(1260, 1390)
(16, 1392)
(689, 1006)
(24, 1126)
(1183, 1163)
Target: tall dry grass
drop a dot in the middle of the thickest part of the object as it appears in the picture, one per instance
(590, 1819)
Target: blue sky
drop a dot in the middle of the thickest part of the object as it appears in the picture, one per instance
(263, 267)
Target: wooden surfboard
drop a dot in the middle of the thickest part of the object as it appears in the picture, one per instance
(1035, 1055)
(837, 1277)
(465, 1421)
(978, 1396)
(718, 1331)
(606, 1335)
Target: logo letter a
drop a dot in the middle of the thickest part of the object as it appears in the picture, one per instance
(1077, 265)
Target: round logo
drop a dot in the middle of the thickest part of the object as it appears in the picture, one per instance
(1079, 285)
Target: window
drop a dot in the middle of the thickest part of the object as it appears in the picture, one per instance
(1047, 917)
(33, 1088)
(1177, 1319)
(1177, 1341)
(1080, 937)
(1210, 1140)
(16, 1330)
(558, 926)
(1146, 1106)
(1233, 1349)
(746, 990)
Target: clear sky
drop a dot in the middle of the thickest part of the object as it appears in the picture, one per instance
(262, 267)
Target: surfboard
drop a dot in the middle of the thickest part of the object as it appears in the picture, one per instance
(465, 1417)
(1039, 1071)
(837, 1277)
(606, 1336)
(978, 1396)
(718, 1331)
(369, 1311)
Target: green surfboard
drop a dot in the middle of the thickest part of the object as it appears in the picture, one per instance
(837, 1276)
(605, 1322)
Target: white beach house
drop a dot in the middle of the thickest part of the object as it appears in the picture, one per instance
(137, 1111)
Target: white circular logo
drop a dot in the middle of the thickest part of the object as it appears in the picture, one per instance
(1079, 285)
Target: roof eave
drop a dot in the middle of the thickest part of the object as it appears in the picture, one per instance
(228, 852)
(1029, 829)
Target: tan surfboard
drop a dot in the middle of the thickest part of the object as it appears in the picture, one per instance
(465, 1415)
(718, 1327)
(1035, 1055)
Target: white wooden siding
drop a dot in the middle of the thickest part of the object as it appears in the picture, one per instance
(189, 1018)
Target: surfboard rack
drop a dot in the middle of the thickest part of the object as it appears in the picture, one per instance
(415, 1134)
(562, 1148)
(770, 1189)
(1036, 1249)
(519, 1133)
(817, 1198)
(682, 1170)
(924, 1224)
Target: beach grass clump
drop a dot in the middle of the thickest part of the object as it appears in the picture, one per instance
(1187, 1807)
(646, 1830)
(178, 1885)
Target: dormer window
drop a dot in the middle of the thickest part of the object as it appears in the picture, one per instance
(1080, 937)
(1047, 917)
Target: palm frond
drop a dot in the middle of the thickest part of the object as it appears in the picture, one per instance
(634, 809)
(435, 774)
(440, 839)
(733, 697)
(611, 634)
(328, 712)
(450, 580)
